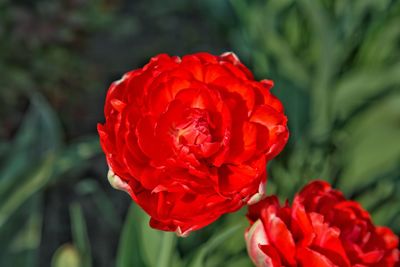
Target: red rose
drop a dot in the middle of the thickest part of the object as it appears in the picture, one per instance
(321, 228)
(189, 138)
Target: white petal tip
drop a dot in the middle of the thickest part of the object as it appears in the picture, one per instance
(117, 182)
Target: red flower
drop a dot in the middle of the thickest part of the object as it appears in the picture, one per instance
(189, 139)
(321, 228)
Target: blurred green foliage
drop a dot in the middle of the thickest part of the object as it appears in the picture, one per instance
(335, 65)
(336, 68)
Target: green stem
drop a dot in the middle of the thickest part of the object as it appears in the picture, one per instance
(167, 248)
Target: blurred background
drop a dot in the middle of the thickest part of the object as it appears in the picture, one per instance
(336, 67)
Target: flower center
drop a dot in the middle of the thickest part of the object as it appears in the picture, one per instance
(195, 130)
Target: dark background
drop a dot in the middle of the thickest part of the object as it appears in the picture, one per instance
(336, 69)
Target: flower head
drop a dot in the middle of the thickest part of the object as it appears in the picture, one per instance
(321, 228)
(189, 138)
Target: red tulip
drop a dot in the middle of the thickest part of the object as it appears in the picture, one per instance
(189, 138)
(320, 229)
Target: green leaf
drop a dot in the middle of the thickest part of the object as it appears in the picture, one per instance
(29, 165)
(212, 244)
(140, 245)
(387, 213)
(243, 261)
(371, 198)
(76, 156)
(158, 246)
(395, 224)
(35, 178)
(102, 201)
(166, 248)
(28, 238)
(380, 46)
(367, 154)
(38, 135)
(150, 240)
(359, 86)
(34, 181)
(20, 236)
(79, 234)
(129, 251)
